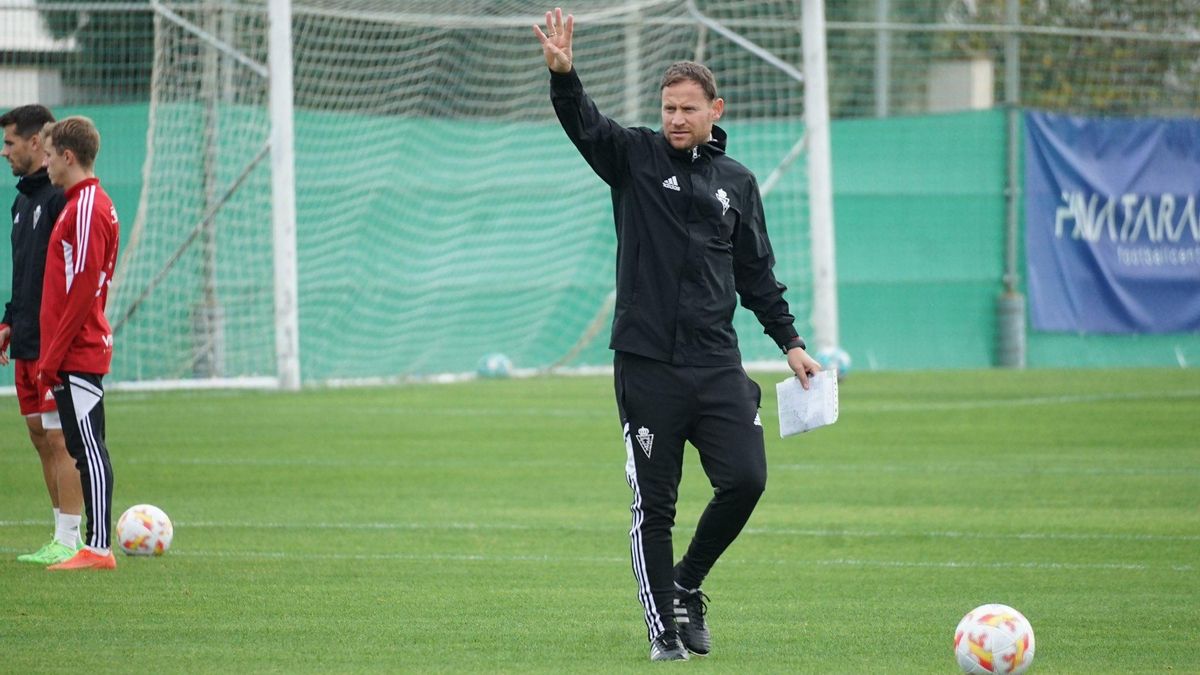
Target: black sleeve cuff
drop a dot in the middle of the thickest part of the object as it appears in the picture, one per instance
(566, 82)
(794, 343)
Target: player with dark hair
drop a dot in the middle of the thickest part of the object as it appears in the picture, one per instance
(690, 240)
(76, 338)
(34, 211)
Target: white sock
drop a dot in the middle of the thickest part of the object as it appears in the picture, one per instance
(97, 551)
(57, 513)
(67, 532)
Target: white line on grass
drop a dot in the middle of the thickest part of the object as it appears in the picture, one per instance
(474, 463)
(978, 467)
(1001, 565)
(1032, 536)
(1025, 401)
(925, 406)
(416, 410)
(769, 531)
(464, 462)
(467, 413)
(599, 412)
(614, 560)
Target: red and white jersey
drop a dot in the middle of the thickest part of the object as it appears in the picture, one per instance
(80, 259)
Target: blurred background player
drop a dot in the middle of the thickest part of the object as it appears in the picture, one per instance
(34, 212)
(690, 240)
(77, 341)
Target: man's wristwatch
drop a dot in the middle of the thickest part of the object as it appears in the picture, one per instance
(796, 342)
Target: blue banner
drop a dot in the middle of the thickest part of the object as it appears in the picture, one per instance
(1112, 224)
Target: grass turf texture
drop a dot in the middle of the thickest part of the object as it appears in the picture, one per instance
(482, 527)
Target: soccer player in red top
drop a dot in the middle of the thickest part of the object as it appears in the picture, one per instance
(76, 339)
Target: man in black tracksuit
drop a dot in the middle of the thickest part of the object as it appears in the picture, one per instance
(34, 213)
(690, 239)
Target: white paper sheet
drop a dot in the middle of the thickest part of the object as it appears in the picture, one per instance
(803, 409)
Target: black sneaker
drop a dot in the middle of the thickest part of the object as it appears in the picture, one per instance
(667, 647)
(690, 608)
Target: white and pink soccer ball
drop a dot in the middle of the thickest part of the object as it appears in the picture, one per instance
(994, 639)
(144, 530)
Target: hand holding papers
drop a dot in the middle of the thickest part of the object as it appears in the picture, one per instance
(803, 409)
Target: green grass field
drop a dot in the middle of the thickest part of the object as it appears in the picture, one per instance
(483, 527)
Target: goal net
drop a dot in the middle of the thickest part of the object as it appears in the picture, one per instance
(441, 213)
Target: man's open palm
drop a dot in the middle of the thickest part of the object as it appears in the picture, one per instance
(556, 41)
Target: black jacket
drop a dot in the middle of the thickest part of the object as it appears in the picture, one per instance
(690, 238)
(36, 208)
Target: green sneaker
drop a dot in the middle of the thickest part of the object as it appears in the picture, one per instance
(32, 557)
(50, 554)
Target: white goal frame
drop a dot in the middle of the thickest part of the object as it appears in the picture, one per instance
(278, 73)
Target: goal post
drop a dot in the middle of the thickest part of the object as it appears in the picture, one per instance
(431, 210)
(283, 195)
(820, 180)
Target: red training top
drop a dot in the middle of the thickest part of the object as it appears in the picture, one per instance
(80, 259)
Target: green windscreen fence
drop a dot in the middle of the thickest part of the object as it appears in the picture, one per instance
(920, 213)
(462, 238)
(919, 207)
(470, 237)
(423, 244)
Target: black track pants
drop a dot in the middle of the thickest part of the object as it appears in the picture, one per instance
(80, 400)
(716, 409)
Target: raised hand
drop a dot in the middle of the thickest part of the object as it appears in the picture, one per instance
(556, 41)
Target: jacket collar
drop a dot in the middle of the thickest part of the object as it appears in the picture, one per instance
(711, 149)
(74, 189)
(33, 182)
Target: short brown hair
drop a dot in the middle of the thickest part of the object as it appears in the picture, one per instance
(690, 70)
(77, 134)
(28, 118)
